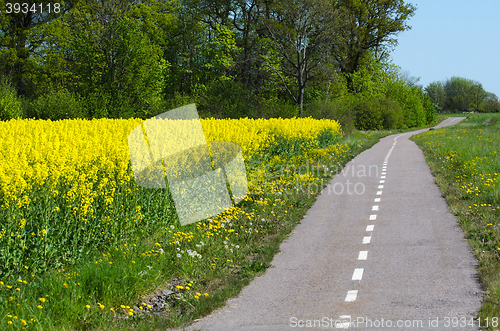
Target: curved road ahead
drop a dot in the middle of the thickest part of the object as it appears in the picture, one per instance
(379, 250)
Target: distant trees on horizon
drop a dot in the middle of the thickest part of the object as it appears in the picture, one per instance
(458, 94)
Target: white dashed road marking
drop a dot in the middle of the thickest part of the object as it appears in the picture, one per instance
(369, 227)
(351, 296)
(377, 200)
(366, 240)
(344, 322)
(363, 255)
(357, 274)
(373, 217)
(375, 208)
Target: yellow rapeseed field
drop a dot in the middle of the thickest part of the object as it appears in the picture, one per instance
(66, 176)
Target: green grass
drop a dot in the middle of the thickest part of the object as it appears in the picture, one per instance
(465, 162)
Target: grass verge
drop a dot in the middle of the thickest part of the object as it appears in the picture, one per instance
(466, 166)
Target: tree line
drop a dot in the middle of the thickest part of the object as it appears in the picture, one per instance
(461, 94)
(233, 58)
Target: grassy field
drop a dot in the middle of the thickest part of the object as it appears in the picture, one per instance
(82, 247)
(465, 162)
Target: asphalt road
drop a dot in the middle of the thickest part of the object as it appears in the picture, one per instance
(379, 250)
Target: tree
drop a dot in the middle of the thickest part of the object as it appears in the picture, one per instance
(300, 31)
(368, 25)
(112, 56)
(477, 95)
(17, 40)
(437, 94)
(491, 104)
(457, 91)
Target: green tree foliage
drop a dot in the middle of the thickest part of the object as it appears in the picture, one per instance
(234, 58)
(491, 104)
(300, 30)
(461, 94)
(437, 94)
(18, 37)
(10, 105)
(457, 96)
(56, 105)
(367, 26)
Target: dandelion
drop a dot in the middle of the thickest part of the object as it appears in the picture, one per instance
(40, 306)
(87, 306)
(42, 299)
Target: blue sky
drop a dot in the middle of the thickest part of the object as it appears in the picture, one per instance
(452, 38)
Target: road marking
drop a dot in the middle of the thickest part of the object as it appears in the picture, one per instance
(390, 151)
(344, 322)
(377, 200)
(366, 240)
(351, 296)
(381, 186)
(382, 181)
(363, 255)
(384, 173)
(382, 177)
(357, 274)
(370, 227)
(373, 217)
(379, 192)
(375, 207)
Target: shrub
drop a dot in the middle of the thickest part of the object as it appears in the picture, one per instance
(429, 109)
(57, 105)
(392, 113)
(276, 108)
(223, 99)
(97, 105)
(10, 105)
(338, 109)
(368, 113)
